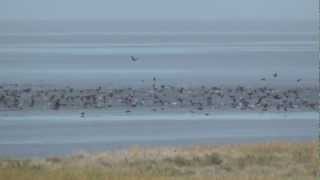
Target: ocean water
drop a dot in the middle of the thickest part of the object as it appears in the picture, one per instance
(188, 53)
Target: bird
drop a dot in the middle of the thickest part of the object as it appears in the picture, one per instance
(299, 80)
(134, 59)
(263, 79)
(57, 104)
(275, 75)
(82, 114)
(260, 99)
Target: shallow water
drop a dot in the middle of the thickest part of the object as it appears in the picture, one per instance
(92, 54)
(98, 53)
(43, 134)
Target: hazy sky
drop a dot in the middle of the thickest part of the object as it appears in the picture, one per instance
(158, 9)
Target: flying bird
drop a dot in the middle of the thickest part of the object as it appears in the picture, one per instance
(134, 59)
(275, 75)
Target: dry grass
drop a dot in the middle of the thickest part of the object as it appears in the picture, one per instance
(273, 161)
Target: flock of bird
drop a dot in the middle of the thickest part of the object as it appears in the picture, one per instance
(161, 97)
(275, 75)
(203, 99)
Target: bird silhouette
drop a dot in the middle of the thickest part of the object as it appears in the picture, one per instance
(134, 59)
(275, 75)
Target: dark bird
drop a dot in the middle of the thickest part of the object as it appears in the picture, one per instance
(181, 90)
(275, 75)
(260, 100)
(277, 96)
(57, 104)
(299, 80)
(134, 59)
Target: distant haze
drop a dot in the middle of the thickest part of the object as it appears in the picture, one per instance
(155, 9)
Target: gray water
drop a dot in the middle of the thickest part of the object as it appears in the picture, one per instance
(60, 133)
(89, 54)
(188, 53)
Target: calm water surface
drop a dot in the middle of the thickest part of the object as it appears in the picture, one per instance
(89, 54)
(50, 133)
(95, 53)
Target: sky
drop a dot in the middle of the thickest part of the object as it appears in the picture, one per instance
(159, 9)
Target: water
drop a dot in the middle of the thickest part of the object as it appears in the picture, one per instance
(60, 133)
(89, 54)
(95, 53)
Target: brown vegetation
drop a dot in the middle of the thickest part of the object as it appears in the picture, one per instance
(273, 161)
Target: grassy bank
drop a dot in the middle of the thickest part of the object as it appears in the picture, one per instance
(274, 161)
